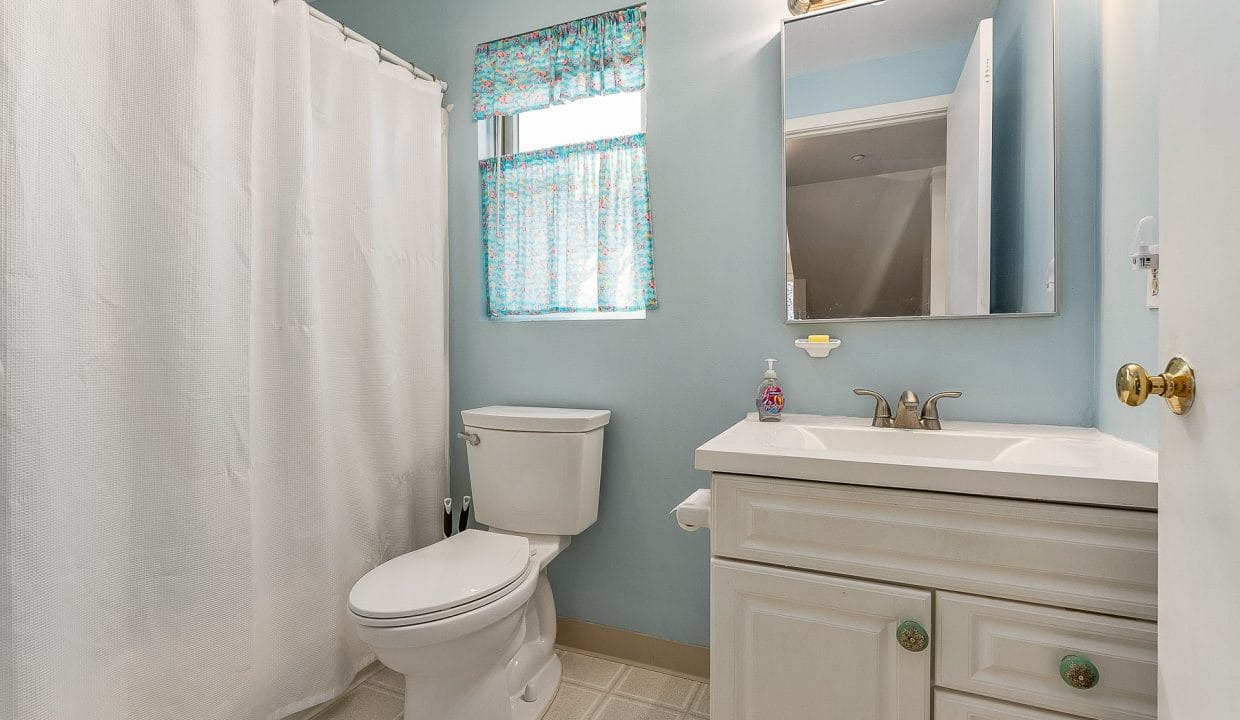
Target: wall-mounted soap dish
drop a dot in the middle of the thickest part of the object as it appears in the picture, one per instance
(817, 349)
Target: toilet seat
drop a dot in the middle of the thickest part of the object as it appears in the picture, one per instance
(446, 579)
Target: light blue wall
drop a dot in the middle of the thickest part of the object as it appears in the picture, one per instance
(1127, 330)
(1023, 202)
(690, 369)
(925, 73)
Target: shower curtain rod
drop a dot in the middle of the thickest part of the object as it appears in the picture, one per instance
(384, 55)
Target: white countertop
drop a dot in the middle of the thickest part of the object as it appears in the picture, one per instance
(1033, 462)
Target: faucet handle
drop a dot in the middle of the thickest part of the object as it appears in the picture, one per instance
(930, 411)
(882, 411)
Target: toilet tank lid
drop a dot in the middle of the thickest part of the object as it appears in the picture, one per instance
(535, 419)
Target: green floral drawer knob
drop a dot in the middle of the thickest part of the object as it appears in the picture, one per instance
(1078, 672)
(912, 636)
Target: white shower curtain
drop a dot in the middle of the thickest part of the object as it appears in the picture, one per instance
(222, 352)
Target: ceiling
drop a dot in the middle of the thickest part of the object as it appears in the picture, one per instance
(896, 148)
(883, 29)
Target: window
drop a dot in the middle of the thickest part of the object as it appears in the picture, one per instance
(566, 222)
(596, 118)
(606, 116)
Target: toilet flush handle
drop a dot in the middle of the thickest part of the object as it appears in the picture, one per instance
(471, 438)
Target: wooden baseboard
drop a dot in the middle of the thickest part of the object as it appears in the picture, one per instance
(634, 648)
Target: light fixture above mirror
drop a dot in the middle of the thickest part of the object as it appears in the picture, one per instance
(800, 7)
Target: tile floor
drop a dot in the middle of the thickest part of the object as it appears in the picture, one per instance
(592, 689)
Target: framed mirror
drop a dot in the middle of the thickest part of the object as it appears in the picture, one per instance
(920, 160)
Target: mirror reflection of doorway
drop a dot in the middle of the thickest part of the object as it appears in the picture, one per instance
(888, 206)
(920, 158)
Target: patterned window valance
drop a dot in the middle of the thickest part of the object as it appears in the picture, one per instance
(598, 55)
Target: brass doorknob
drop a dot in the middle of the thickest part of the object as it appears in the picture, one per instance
(1177, 385)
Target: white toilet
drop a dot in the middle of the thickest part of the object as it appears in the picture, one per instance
(470, 620)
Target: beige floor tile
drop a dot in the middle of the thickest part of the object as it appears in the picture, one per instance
(572, 702)
(701, 703)
(365, 703)
(593, 689)
(388, 679)
(657, 688)
(590, 671)
(618, 708)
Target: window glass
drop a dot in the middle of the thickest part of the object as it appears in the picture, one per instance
(595, 118)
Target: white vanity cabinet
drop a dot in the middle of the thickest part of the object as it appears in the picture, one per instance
(816, 585)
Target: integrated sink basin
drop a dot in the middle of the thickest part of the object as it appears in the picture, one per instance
(886, 441)
(1040, 462)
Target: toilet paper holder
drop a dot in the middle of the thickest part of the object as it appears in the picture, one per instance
(694, 511)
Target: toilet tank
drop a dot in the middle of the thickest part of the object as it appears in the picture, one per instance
(535, 470)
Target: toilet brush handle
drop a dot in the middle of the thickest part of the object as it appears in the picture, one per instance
(447, 517)
(464, 523)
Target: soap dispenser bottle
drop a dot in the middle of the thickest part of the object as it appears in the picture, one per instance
(770, 400)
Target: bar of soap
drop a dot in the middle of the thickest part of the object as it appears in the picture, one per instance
(819, 338)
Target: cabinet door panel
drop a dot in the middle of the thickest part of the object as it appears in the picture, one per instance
(798, 646)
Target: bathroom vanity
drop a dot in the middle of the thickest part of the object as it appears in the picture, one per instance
(981, 572)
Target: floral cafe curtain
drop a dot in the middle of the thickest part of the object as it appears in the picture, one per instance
(598, 55)
(566, 229)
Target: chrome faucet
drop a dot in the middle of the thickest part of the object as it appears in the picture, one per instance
(907, 417)
(906, 411)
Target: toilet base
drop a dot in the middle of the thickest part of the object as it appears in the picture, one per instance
(544, 686)
(534, 671)
(500, 666)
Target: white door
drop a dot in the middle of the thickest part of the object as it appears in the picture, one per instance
(793, 645)
(1199, 467)
(963, 279)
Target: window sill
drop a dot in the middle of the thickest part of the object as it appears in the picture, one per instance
(550, 317)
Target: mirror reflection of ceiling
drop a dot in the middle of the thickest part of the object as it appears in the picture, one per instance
(895, 148)
(879, 30)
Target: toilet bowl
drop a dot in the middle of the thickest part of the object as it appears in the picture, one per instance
(470, 620)
(480, 647)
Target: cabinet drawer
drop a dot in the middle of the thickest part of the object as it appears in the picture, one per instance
(1096, 559)
(1012, 651)
(794, 645)
(949, 705)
